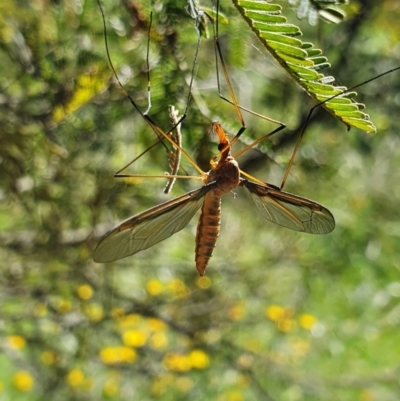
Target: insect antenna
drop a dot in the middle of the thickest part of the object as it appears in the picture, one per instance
(311, 111)
(162, 136)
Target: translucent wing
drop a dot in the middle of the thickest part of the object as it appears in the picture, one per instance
(150, 227)
(290, 211)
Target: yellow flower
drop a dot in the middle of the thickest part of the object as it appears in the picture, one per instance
(234, 396)
(156, 324)
(23, 381)
(286, 325)
(203, 282)
(154, 287)
(85, 292)
(16, 342)
(176, 362)
(48, 357)
(198, 359)
(63, 305)
(75, 377)
(1, 387)
(159, 340)
(281, 316)
(307, 321)
(110, 388)
(129, 320)
(178, 288)
(275, 313)
(93, 311)
(134, 338)
(115, 355)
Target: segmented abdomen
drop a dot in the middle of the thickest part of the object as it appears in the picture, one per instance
(207, 230)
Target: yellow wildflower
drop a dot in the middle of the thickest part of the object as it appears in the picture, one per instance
(203, 282)
(154, 287)
(176, 362)
(198, 359)
(234, 396)
(93, 311)
(129, 320)
(159, 340)
(85, 292)
(115, 355)
(134, 338)
(23, 381)
(63, 305)
(178, 288)
(286, 325)
(281, 316)
(156, 324)
(16, 342)
(275, 313)
(307, 321)
(75, 377)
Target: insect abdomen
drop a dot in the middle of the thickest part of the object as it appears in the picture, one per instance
(207, 230)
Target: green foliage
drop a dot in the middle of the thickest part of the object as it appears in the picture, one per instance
(280, 315)
(302, 61)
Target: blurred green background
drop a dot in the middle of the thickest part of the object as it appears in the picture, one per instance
(280, 315)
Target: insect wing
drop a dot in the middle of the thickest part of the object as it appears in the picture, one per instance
(150, 227)
(290, 211)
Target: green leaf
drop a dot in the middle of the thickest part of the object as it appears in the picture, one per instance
(301, 60)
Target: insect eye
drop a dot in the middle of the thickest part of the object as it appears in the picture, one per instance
(221, 146)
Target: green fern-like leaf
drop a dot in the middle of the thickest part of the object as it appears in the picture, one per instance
(302, 61)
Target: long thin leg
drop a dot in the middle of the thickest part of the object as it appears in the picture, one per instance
(158, 130)
(219, 60)
(289, 166)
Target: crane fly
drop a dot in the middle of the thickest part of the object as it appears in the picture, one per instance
(160, 222)
(150, 227)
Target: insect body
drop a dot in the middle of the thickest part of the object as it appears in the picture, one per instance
(226, 174)
(160, 222)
